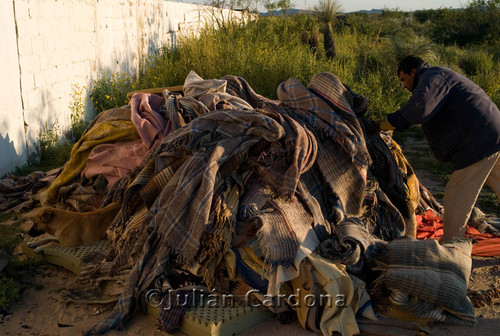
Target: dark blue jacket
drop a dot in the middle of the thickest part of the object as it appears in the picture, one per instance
(460, 122)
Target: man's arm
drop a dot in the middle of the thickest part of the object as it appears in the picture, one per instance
(426, 100)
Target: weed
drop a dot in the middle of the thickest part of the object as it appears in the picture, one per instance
(9, 291)
(4, 217)
(77, 112)
(488, 202)
(110, 90)
(18, 274)
(476, 62)
(9, 236)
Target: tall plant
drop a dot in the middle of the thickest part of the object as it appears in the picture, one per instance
(326, 12)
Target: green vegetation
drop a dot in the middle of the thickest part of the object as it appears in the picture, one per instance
(268, 50)
(54, 153)
(55, 150)
(18, 274)
(271, 49)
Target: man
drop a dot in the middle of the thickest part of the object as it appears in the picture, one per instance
(461, 125)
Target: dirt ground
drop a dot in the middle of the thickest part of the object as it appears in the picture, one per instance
(43, 310)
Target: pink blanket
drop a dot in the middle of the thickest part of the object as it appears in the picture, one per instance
(115, 160)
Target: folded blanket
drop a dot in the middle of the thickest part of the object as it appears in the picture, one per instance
(350, 246)
(424, 274)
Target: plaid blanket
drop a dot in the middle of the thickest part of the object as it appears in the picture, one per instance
(188, 187)
(380, 216)
(278, 221)
(217, 143)
(342, 158)
(436, 274)
(395, 178)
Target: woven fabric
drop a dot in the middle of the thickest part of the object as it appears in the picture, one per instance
(279, 221)
(177, 218)
(189, 187)
(334, 118)
(437, 274)
(151, 126)
(104, 132)
(349, 245)
(395, 178)
(320, 281)
(15, 190)
(239, 87)
(342, 158)
(380, 216)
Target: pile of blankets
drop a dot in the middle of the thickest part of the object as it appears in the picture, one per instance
(221, 188)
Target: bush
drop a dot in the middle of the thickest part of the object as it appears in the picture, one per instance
(271, 49)
(476, 62)
(110, 90)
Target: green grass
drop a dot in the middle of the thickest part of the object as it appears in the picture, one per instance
(9, 291)
(270, 50)
(53, 154)
(10, 235)
(19, 273)
(488, 202)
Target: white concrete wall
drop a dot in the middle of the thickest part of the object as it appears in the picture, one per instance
(12, 140)
(62, 43)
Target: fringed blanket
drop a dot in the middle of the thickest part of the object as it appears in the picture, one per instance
(215, 145)
(396, 179)
(286, 173)
(428, 280)
(326, 109)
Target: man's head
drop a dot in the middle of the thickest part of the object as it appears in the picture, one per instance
(407, 69)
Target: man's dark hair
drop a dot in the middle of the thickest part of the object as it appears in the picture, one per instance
(408, 63)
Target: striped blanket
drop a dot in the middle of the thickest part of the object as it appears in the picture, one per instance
(428, 280)
(15, 190)
(343, 158)
(214, 146)
(293, 168)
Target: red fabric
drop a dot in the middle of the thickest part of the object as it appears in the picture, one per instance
(431, 227)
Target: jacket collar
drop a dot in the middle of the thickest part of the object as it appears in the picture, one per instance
(421, 69)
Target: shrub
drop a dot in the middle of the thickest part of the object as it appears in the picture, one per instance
(474, 62)
(110, 90)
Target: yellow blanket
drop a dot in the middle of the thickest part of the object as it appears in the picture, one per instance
(104, 132)
(412, 183)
